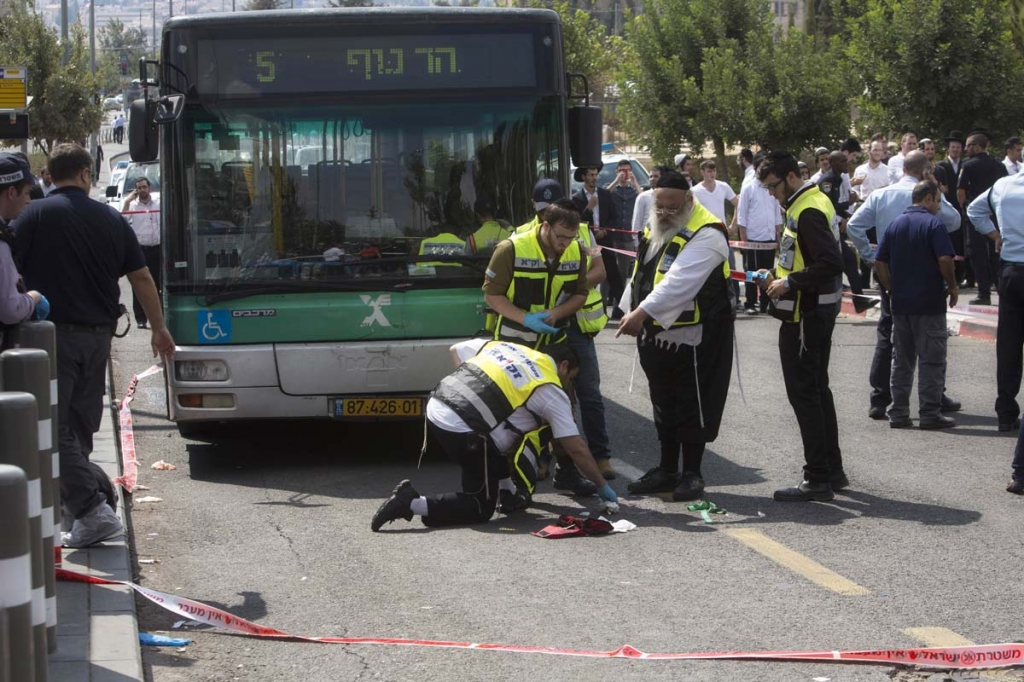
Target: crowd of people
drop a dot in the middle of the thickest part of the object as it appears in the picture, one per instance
(509, 404)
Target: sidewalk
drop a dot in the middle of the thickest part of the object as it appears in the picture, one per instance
(97, 627)
(976, 326)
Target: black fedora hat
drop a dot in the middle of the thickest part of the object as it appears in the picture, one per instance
(582, 170)
(955, 136)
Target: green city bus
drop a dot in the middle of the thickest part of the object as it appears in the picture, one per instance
(306, 157)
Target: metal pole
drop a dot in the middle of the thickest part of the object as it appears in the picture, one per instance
(44, 335)
(93, 140)
(28, 369)
(170, 9)
(19, 446)
(16, 574)
(154, 29)
(65, 45)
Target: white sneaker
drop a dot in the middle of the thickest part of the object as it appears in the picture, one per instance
(99, 524)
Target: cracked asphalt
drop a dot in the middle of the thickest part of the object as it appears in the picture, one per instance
(273, 525)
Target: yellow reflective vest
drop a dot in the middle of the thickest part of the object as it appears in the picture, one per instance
(714, 292)
(535, 288)
(530, 226)
(791, 259)
(444, 244)
(486, 389)
(484, 240)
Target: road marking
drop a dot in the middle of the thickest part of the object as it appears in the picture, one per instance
(796, 562)
(627, 470)
(937, 637)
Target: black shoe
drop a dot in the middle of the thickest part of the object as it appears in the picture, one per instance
(950, 405)
(143, 325)
(904, 423)
(512, 502)
(877, 413)
(567, 478)
(691, 487)
(1016, 486)
(750, 310)
(395, 507)
(1010, 427)
(616, 314)
(981, 300)
(657, 480)
(805, 492)
(838, 480)
(940, 423)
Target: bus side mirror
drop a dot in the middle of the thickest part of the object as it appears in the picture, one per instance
(112, 191)
(585, 136)
(143, 134)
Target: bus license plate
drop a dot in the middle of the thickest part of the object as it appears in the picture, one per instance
(378, 407)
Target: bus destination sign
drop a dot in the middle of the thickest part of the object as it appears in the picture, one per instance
(321, 64)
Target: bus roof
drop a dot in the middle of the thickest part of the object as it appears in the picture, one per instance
(364, 15)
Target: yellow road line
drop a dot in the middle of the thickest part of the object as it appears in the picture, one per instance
(937, 637)
(796, 562)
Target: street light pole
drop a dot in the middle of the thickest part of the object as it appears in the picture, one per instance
(64, 32)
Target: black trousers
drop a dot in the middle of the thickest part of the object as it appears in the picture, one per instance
(805, 371)
(881, 363)
(959, 266)
(984, 261)
(81, 382)
(612, 275)
(686, 383)
(756, 259)
(479, 496)
(155, 265)
(1009, 341)
(852, 272)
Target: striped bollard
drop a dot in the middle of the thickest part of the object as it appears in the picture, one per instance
(19, 447)
(17, 657)
(43, 334)
(28, 369)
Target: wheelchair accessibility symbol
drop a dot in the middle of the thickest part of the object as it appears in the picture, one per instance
(214, 326)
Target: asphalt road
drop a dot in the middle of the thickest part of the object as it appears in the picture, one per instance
(924, 549)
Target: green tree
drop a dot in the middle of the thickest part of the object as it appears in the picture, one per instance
(116, 41)
(935, 65)
(350, 3)
(589, 49)
(63, 106)
(265, 4)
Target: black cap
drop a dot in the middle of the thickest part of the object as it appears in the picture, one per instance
(981, 131)
(673, 180)
(955, 136)
(14, 168)
(484, 206)
(546, 192)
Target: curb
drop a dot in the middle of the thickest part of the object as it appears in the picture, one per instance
(975, 328)
(97, 625)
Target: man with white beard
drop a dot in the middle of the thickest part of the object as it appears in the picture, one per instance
(677, 305)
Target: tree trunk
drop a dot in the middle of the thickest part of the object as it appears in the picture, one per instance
(720, 160)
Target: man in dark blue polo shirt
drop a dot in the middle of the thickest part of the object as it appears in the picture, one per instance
(75, 249)
(914, 256)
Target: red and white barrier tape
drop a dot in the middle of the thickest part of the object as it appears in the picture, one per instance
(129, 463)
(945, 658)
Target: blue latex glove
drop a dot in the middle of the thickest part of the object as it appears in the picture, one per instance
(161, 640)
(536, 322)
(755, 276)
(607, 494)
(42, 308)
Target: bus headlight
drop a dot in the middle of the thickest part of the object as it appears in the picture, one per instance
(200, 370)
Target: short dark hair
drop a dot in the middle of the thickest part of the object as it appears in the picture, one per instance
(561, 352)
(1013, 141)
(747, 155)
(878, 137)
(923, 190)
(623, 162)
(142, 178)
(67, 161)
(780, 164)
(562, 212)
(708, 164)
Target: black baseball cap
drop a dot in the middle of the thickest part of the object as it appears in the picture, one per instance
(484, 205)
(14, 168)
(546, 192)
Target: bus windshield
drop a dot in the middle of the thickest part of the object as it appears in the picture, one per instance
(308, 195)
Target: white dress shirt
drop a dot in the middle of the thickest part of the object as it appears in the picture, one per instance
(758, 213)
(874, 178)
(145, 223)
(597, 204)
(896, 168)
(1012, 167)
(703, 254)
(642, 210)
(886, 205)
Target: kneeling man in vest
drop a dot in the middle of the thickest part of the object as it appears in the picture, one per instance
(804, 291)
(500, 396)
(677, 305)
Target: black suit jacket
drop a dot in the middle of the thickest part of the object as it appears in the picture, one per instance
(945, 175)
(605, 207)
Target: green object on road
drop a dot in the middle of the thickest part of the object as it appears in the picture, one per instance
(706, 509)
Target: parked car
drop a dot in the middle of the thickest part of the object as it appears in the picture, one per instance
(111, 104)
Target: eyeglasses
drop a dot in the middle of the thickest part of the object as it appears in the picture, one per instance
(664, 210)
(770, 186)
